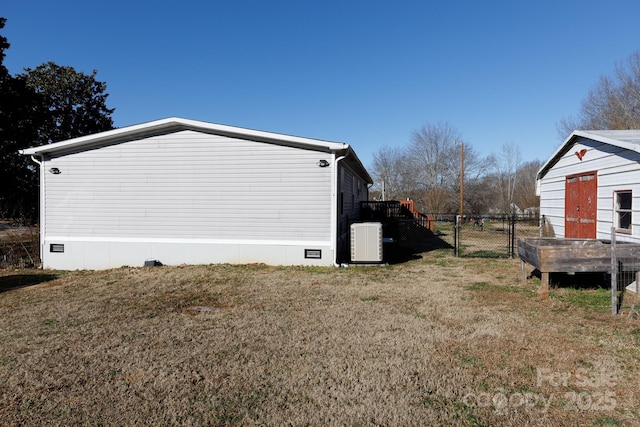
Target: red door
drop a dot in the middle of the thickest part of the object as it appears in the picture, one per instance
(580, 205)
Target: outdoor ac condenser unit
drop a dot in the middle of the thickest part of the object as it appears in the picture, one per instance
(366, 242)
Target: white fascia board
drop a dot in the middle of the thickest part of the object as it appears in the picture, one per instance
(179, 123)
(262, 135)
(556, 154)
(88, 140)
(353, 157)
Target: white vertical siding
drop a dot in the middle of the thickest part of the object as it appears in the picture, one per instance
(617, 169)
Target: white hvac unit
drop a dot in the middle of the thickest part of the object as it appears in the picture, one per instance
(366, 242)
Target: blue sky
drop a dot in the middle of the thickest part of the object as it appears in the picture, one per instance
(366, 73)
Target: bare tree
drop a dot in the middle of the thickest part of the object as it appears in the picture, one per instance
(614, 103)
(391, 176)
(434, 161)
(479, 190)
(428, 170)
(505, 173)
(525, 194)
(479, 195)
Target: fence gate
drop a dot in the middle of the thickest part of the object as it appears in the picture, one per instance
(488, 236)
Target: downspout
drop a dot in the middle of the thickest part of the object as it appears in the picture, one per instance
(41, 219)
(334, 208)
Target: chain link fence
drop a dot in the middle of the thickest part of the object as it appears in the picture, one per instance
(625, 277)
(486, 236)
(19, 247)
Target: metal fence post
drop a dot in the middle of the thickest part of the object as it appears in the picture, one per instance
(455, 236)
(513, 236)
(614, 274)
(508, 236)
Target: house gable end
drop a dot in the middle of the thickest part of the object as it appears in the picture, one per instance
(171, 125)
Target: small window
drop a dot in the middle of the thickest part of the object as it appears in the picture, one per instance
(623, 210)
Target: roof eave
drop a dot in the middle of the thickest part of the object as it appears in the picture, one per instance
(362, 170)
(174, 123)
(584, 134)
(557, 154)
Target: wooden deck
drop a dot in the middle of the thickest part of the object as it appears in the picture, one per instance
(555, 255)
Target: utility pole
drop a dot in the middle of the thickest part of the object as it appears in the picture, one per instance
(461, 181)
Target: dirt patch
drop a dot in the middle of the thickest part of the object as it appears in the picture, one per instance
(435, 341)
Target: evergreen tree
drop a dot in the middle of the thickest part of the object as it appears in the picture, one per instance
(46, 104)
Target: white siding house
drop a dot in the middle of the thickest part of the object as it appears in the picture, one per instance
(591, 184)
(183, 191)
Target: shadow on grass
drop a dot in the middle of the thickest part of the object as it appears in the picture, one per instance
(398, 253)
(17, 281)
(580, 280)
(576, 280)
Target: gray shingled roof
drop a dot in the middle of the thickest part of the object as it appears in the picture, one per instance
(630, 135)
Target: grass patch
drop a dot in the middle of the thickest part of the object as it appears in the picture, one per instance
(478, 286)
(483, 254)
(598, 300)
(607, 421)
(420, 343)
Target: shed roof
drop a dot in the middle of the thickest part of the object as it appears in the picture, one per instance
(627, 139)
(173, 124)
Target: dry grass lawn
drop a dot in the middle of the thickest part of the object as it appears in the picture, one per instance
(435, 341)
